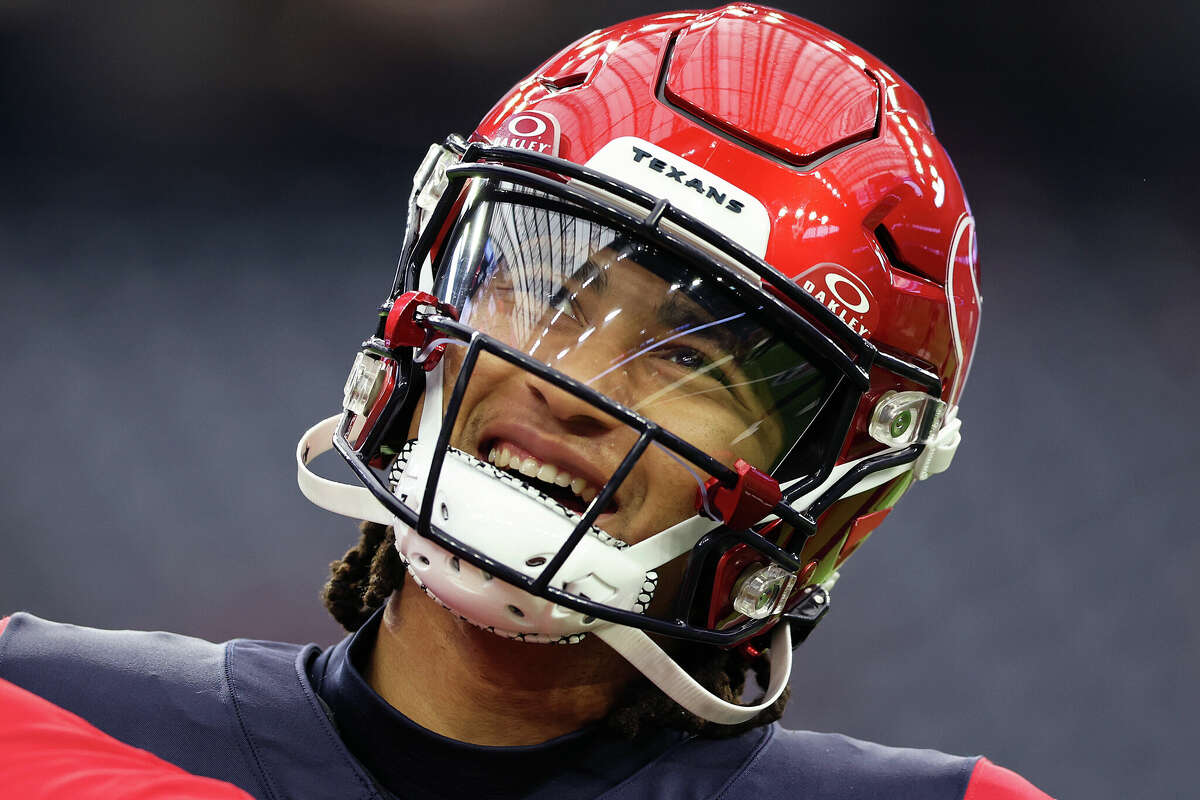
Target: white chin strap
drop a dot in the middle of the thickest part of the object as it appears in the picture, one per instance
(341, 498)
(660, 669)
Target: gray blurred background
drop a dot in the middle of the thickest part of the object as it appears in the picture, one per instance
(200, 205)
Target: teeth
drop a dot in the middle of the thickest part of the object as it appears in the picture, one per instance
(547, 473)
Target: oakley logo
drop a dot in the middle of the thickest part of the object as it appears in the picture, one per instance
(844, 294)
(530, 130)
(526, 125)
(719, 198)
(841, 288)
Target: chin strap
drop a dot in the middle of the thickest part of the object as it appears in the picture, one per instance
(340, 498)
(652, 661)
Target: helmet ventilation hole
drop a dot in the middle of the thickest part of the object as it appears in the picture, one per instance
(516, 611)
(445, 512)
(536, 561)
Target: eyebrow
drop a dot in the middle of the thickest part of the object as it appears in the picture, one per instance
(688, 317)
(591, 275)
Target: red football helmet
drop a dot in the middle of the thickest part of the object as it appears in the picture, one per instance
(717, 250)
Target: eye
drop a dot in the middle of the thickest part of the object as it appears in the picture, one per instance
(687, 357)
(694, 360)
(563, 302)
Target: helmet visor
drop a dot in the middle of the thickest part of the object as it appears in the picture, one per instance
(633, 321)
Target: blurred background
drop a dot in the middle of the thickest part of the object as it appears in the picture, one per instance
(200, 206)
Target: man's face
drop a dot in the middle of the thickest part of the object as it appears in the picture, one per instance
(639, 338)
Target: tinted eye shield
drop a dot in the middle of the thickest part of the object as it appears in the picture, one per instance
(848, 354)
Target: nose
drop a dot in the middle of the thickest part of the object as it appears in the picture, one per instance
(577, 416)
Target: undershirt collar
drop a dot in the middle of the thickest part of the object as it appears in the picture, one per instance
(413, 762)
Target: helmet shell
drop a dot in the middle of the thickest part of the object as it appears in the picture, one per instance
(839, 150)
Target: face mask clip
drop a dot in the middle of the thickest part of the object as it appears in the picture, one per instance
(403, 328)
(904, 418)
(751, 498)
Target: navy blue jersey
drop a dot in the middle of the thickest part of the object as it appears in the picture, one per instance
(290, 721)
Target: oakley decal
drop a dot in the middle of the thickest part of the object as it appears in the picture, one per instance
(530, 130)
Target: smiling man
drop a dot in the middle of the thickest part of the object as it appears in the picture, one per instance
(672, 331)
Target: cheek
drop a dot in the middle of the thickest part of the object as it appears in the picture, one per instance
(670, 493)
(489, 379)
(712, 433)
(753, 452)
(719, 438)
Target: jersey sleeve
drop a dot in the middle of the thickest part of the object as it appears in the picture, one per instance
(47, 752)
(990, 782)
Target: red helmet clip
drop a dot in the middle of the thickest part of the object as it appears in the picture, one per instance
(748, 501)
(403, 330)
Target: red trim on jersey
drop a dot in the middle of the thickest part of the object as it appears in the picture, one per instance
(49, 753)
(990, 782)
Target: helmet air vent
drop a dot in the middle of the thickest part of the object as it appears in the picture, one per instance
(571, 68)
(791, 64)
(888, 244)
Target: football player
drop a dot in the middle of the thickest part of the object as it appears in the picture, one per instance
(671, 333)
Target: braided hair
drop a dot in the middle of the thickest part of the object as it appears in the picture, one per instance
(362, 580)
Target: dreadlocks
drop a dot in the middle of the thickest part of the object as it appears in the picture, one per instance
(363, 579)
